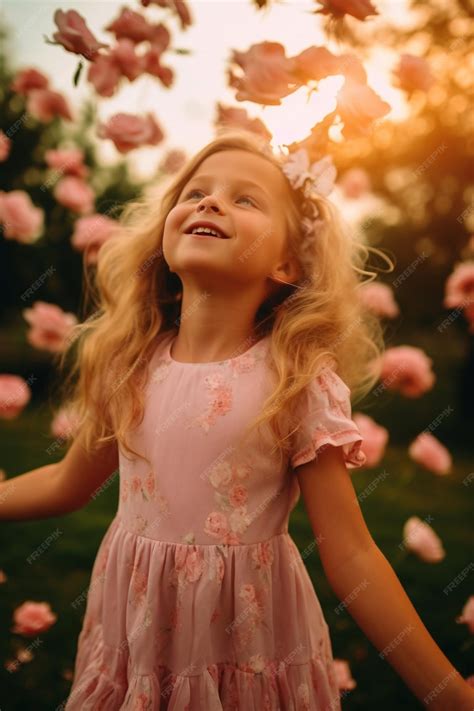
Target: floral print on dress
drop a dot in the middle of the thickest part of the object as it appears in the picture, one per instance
(220, 400)
(251, 618)
(231, 497)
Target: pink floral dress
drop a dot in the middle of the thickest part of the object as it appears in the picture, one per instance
(199, 599)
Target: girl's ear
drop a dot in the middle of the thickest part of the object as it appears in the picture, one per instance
(288, 270)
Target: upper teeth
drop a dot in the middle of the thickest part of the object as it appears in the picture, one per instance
(206, 230)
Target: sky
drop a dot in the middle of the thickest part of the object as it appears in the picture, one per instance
(186, 111)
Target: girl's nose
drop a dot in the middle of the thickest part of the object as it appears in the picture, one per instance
(209, 202)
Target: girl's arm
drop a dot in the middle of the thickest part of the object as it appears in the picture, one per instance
(365, 582)
(59, 488)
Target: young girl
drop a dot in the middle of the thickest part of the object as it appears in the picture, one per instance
(214, 376)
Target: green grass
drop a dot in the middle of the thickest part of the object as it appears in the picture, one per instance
(62, 572)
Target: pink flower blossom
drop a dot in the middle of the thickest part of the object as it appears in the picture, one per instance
(344, 678)
(75, 194)
(229, 116)
(360, 9)
(173, 160)
(428, 451)
(180, 7)
(189, 562)
(5, 146)
(315, 63)
(459, 290)
(354, 183)
(467, 616)
(44, 105)
(90, 233)
(15, 393)
(216, 524)
(238, 495)
(128, 131)
(106, 70)
(268, 74)
(414, 73)
(130, 25)
(379, 299)
(152, 65)
(407, 369)
(21, 220)
(50, 326)
(32, 618)
(28, 79)
(375, 438)
(69, 161)
(420, 538)
(74, 35)
(359, 106)
(64, 424)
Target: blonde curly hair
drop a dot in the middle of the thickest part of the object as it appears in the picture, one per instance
(138, 299)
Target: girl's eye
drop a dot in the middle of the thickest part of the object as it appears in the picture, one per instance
(246, 197)
(193, 192)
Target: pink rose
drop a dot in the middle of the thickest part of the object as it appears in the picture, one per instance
(90, 233)
(64, 424)
(152, 65)
(173, 161)
(247, 593)
(359, 106)
(136, 484)
(375, 438)
(420, 538)
(238, 495)
(428, 451)
(21, 220)
(130, 25)
(216, 524)
(5, 146)
(354, 183)
(75, 194)
(263, 555)
(15, 393)
(268, 75)
(104, 75)
(359, 9)
(28, 79)
(44, 105)
(180, 7)
(343, 675)
(50, 326)
(74, 35)
(315, 63)
(459, 288)
(407, 369)
(379, 299)
(150, 483)
(229, 116)
(189, 562)
(414, 73)
(32, 618)
(69, 161)
(467, 616)
(128, 131)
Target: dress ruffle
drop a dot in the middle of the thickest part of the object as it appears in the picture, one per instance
(199, 649)
(325, 417)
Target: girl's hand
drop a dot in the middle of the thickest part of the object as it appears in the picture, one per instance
(464, 702)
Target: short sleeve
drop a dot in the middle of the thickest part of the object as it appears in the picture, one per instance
(324, 417)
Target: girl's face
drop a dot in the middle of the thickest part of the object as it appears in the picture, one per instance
(243, 196)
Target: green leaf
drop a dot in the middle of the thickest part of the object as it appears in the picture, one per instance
(77, 73)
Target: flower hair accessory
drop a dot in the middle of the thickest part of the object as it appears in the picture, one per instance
(313, 180)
